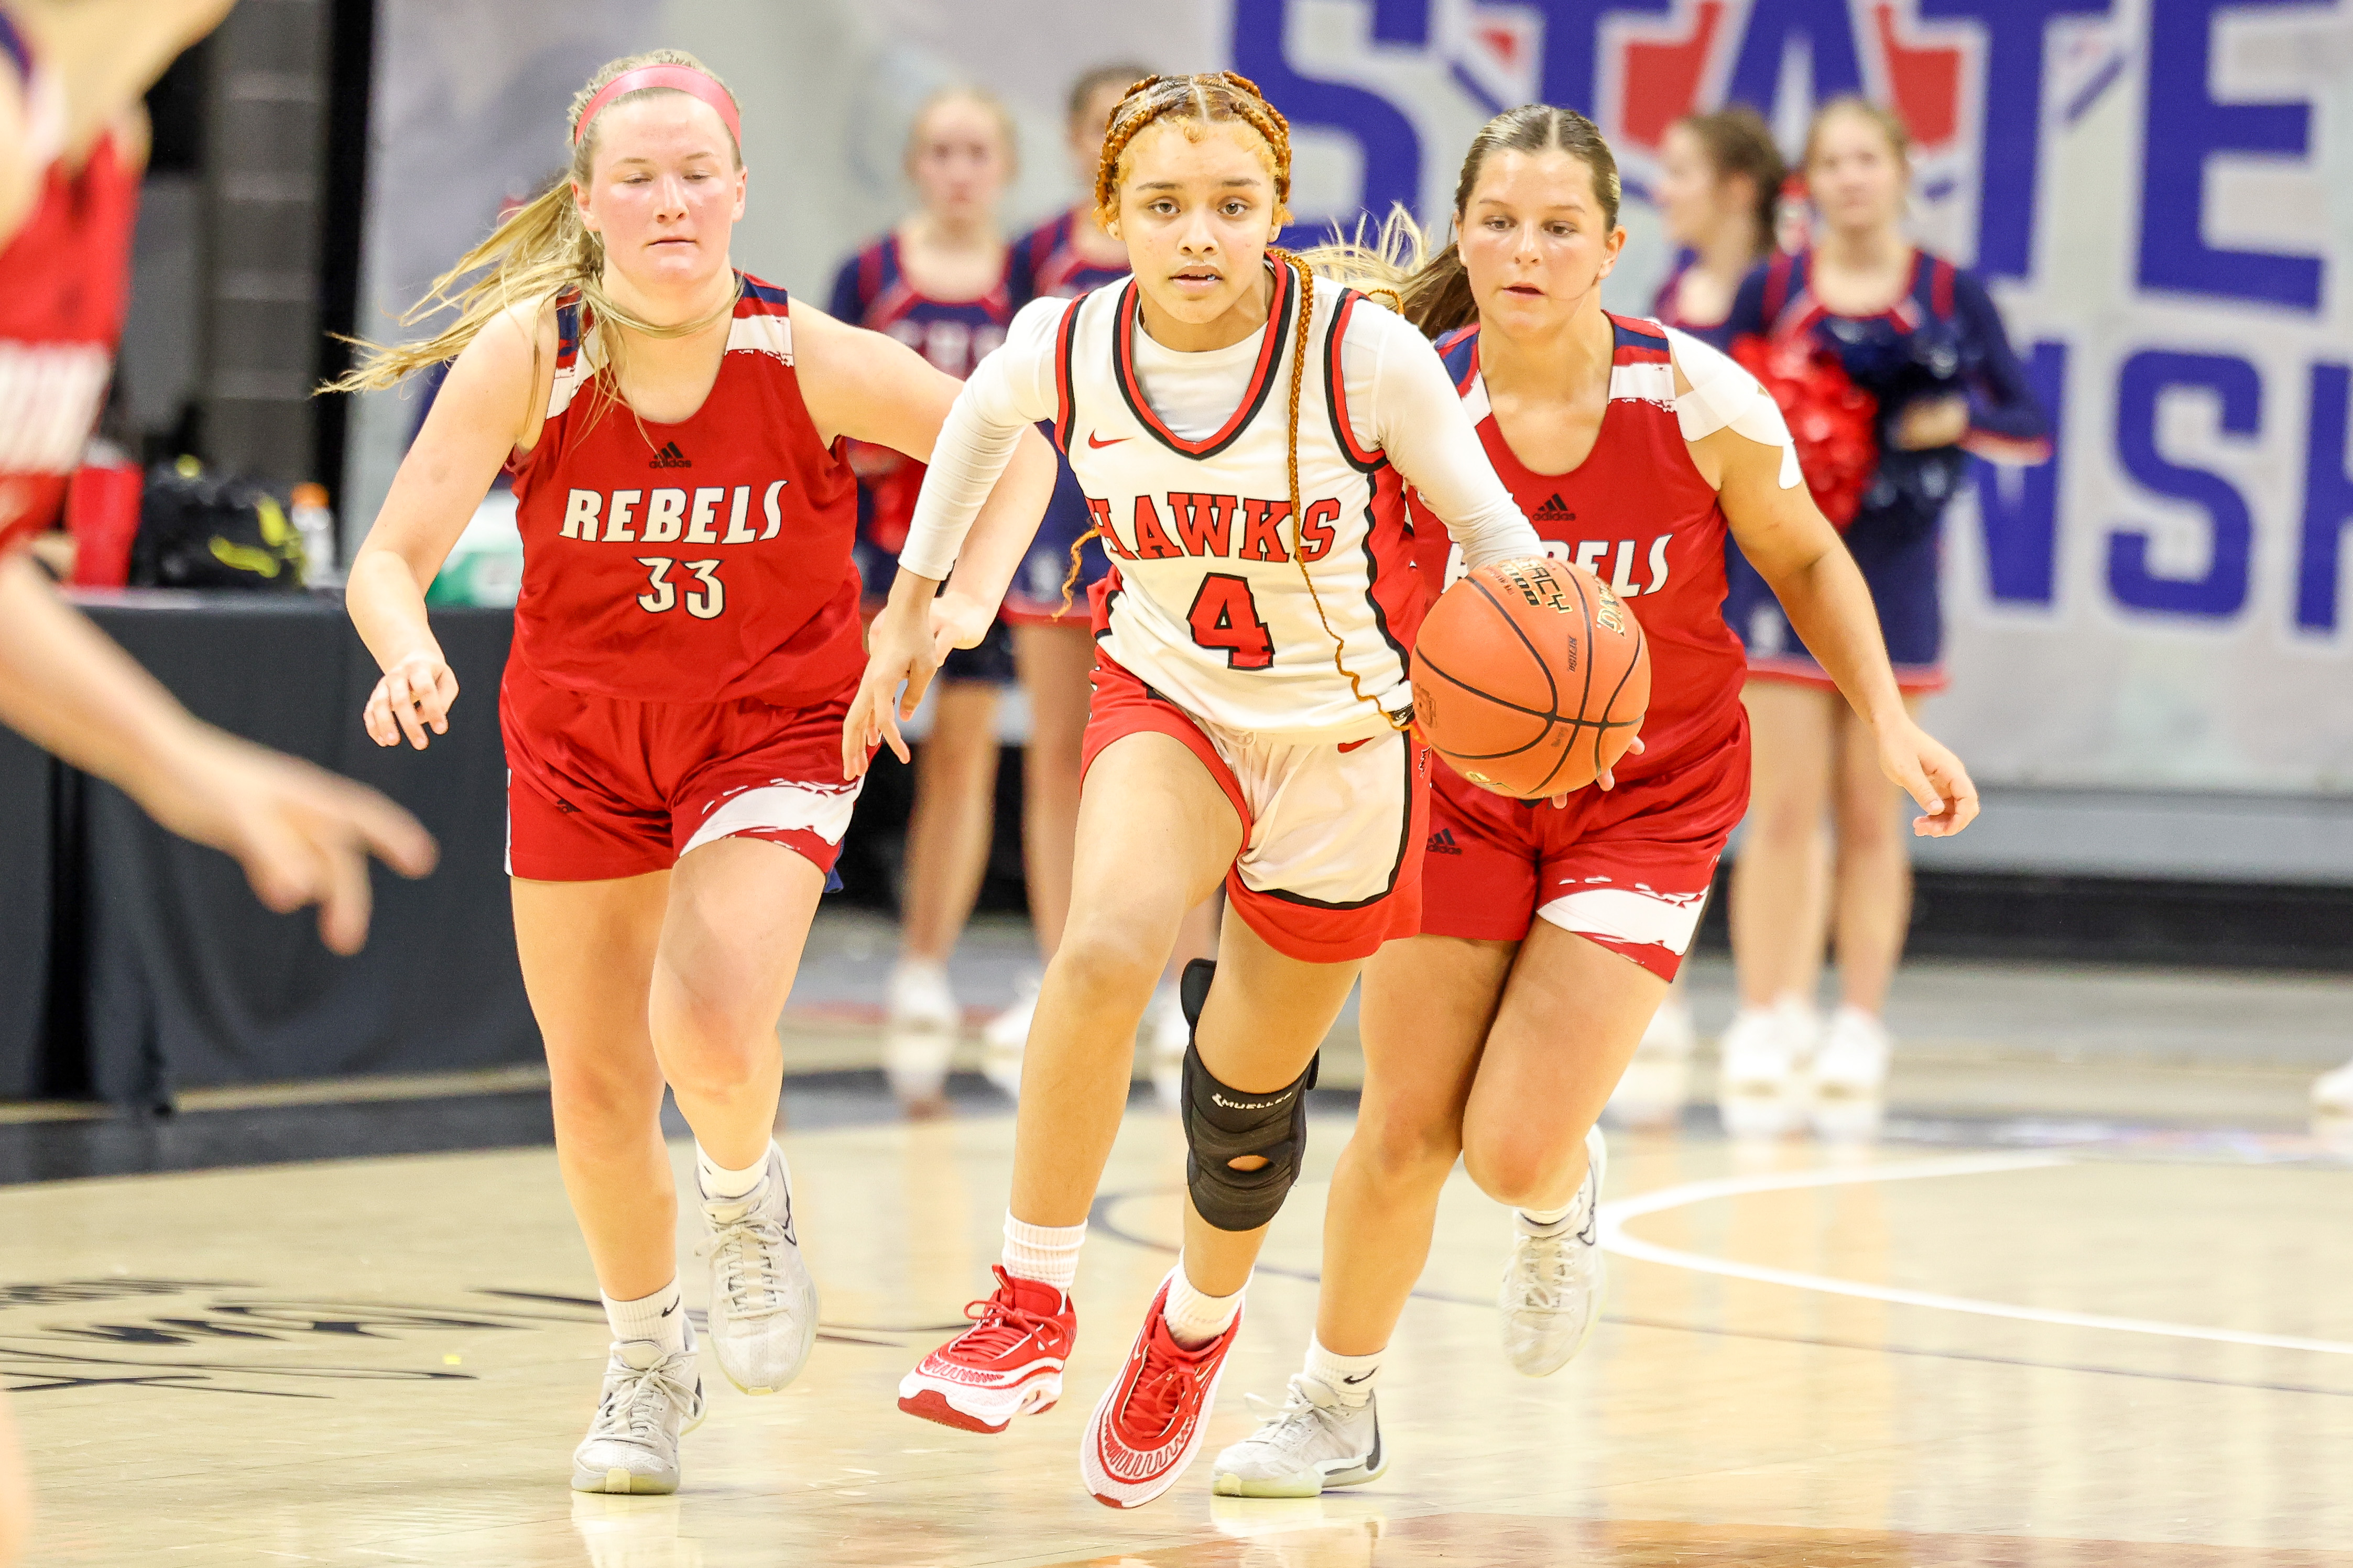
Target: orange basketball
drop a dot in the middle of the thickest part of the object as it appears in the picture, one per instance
(1530, 676)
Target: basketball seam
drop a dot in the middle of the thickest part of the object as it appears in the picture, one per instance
(1552, 686)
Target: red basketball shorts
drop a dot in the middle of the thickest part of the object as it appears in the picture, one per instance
(1331, 860)
(600, 787)
(1626, 868)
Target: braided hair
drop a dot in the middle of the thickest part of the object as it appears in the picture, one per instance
(1209, 98)
(1197, 102)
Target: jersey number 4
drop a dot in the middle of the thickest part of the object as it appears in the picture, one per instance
(1224, 616)
(704, 603)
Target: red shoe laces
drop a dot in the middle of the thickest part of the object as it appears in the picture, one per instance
(1168, 1376)
(998, 1323)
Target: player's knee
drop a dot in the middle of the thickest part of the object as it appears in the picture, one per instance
(1400, 1148)
(1244, 1149)
(1107, 960)
(1519, 1170)
(599, 1111)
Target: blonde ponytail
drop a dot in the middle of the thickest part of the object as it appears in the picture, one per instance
(541, 251)
(1397, 265)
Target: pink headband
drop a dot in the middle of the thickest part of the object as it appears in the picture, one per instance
(678, 79)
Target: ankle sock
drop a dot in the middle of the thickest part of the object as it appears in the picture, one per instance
(1348, 1376)
(661, 1317)
(723, 1185)
(1194, 1317)
(1048, 1254)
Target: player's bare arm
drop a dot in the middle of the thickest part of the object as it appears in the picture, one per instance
(870, 387)
(1784, 534)
(485, 411)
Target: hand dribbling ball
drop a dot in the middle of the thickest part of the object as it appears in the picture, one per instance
(1530, 676)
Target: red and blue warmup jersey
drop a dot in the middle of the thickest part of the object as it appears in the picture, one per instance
(873, 291)
(1047, 265)
(1639, 515)
(705, 560)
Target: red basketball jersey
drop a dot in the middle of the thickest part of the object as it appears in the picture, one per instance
(1637, 514)
(64, 282)
(703, 562)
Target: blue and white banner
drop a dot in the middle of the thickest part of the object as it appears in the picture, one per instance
(2159, 192)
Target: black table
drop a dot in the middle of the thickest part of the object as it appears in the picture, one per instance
(133, 964)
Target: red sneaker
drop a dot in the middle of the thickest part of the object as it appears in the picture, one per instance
(1008, 1363)
(1147, 1426)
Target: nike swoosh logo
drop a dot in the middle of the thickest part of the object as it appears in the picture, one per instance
(668, 1309)
(1351, 1382)
(1352, 746)
(1114, 441)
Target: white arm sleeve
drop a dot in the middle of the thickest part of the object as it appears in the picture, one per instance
(1401, 402)
(1009, 391)
(1725, 396)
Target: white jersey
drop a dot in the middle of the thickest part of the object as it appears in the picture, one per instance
(1209, 602)
(1206, 602)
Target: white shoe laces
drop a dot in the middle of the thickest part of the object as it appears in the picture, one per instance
(635, 1405)
(1309, 1409)
(747, 1248)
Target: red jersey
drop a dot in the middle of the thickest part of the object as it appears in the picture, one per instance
(1637, 513)
(703, 562)
(64, 282)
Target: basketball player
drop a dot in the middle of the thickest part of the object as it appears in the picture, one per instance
(1243, 435)
(1924, 339)
(942, 283)
(1550, 930)
(686, 644)
(73, 139)
(1053, 650)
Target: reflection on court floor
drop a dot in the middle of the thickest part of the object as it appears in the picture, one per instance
(1976, 1345)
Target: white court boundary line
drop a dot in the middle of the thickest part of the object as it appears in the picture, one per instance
(1615, 1215)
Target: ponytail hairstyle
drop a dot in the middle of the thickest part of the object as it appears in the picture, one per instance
(1432, 288)
(1738, 142)
(541, 250)
(1194, 103)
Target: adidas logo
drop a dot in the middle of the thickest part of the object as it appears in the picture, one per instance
(1442, 843)
(670, 456)
(1554, 511)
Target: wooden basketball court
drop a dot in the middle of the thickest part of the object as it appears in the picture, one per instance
(2129, 1348)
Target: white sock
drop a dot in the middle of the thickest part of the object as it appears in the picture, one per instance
(661, 1317)
(723, 1185)
(1349, 1376)
(1194, 1317)
(1048, 1254)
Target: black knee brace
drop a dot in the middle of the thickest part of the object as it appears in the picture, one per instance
(1222, 1124)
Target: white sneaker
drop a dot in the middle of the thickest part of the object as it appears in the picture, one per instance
(1010, 1030)
(1551, 1293)
(652, 1399)
(2332, 1092)
(763, 1311)
(1308, 1442)
(1852, 1062)
(1767, 1048)
(919, 997)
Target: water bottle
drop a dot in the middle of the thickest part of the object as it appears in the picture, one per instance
(315, 522)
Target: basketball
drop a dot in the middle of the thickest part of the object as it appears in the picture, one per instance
(1530, 676)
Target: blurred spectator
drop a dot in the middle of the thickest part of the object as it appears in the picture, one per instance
(942, 282)
(1903, 357)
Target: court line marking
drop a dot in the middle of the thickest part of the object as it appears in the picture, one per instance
(1614, 1217)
